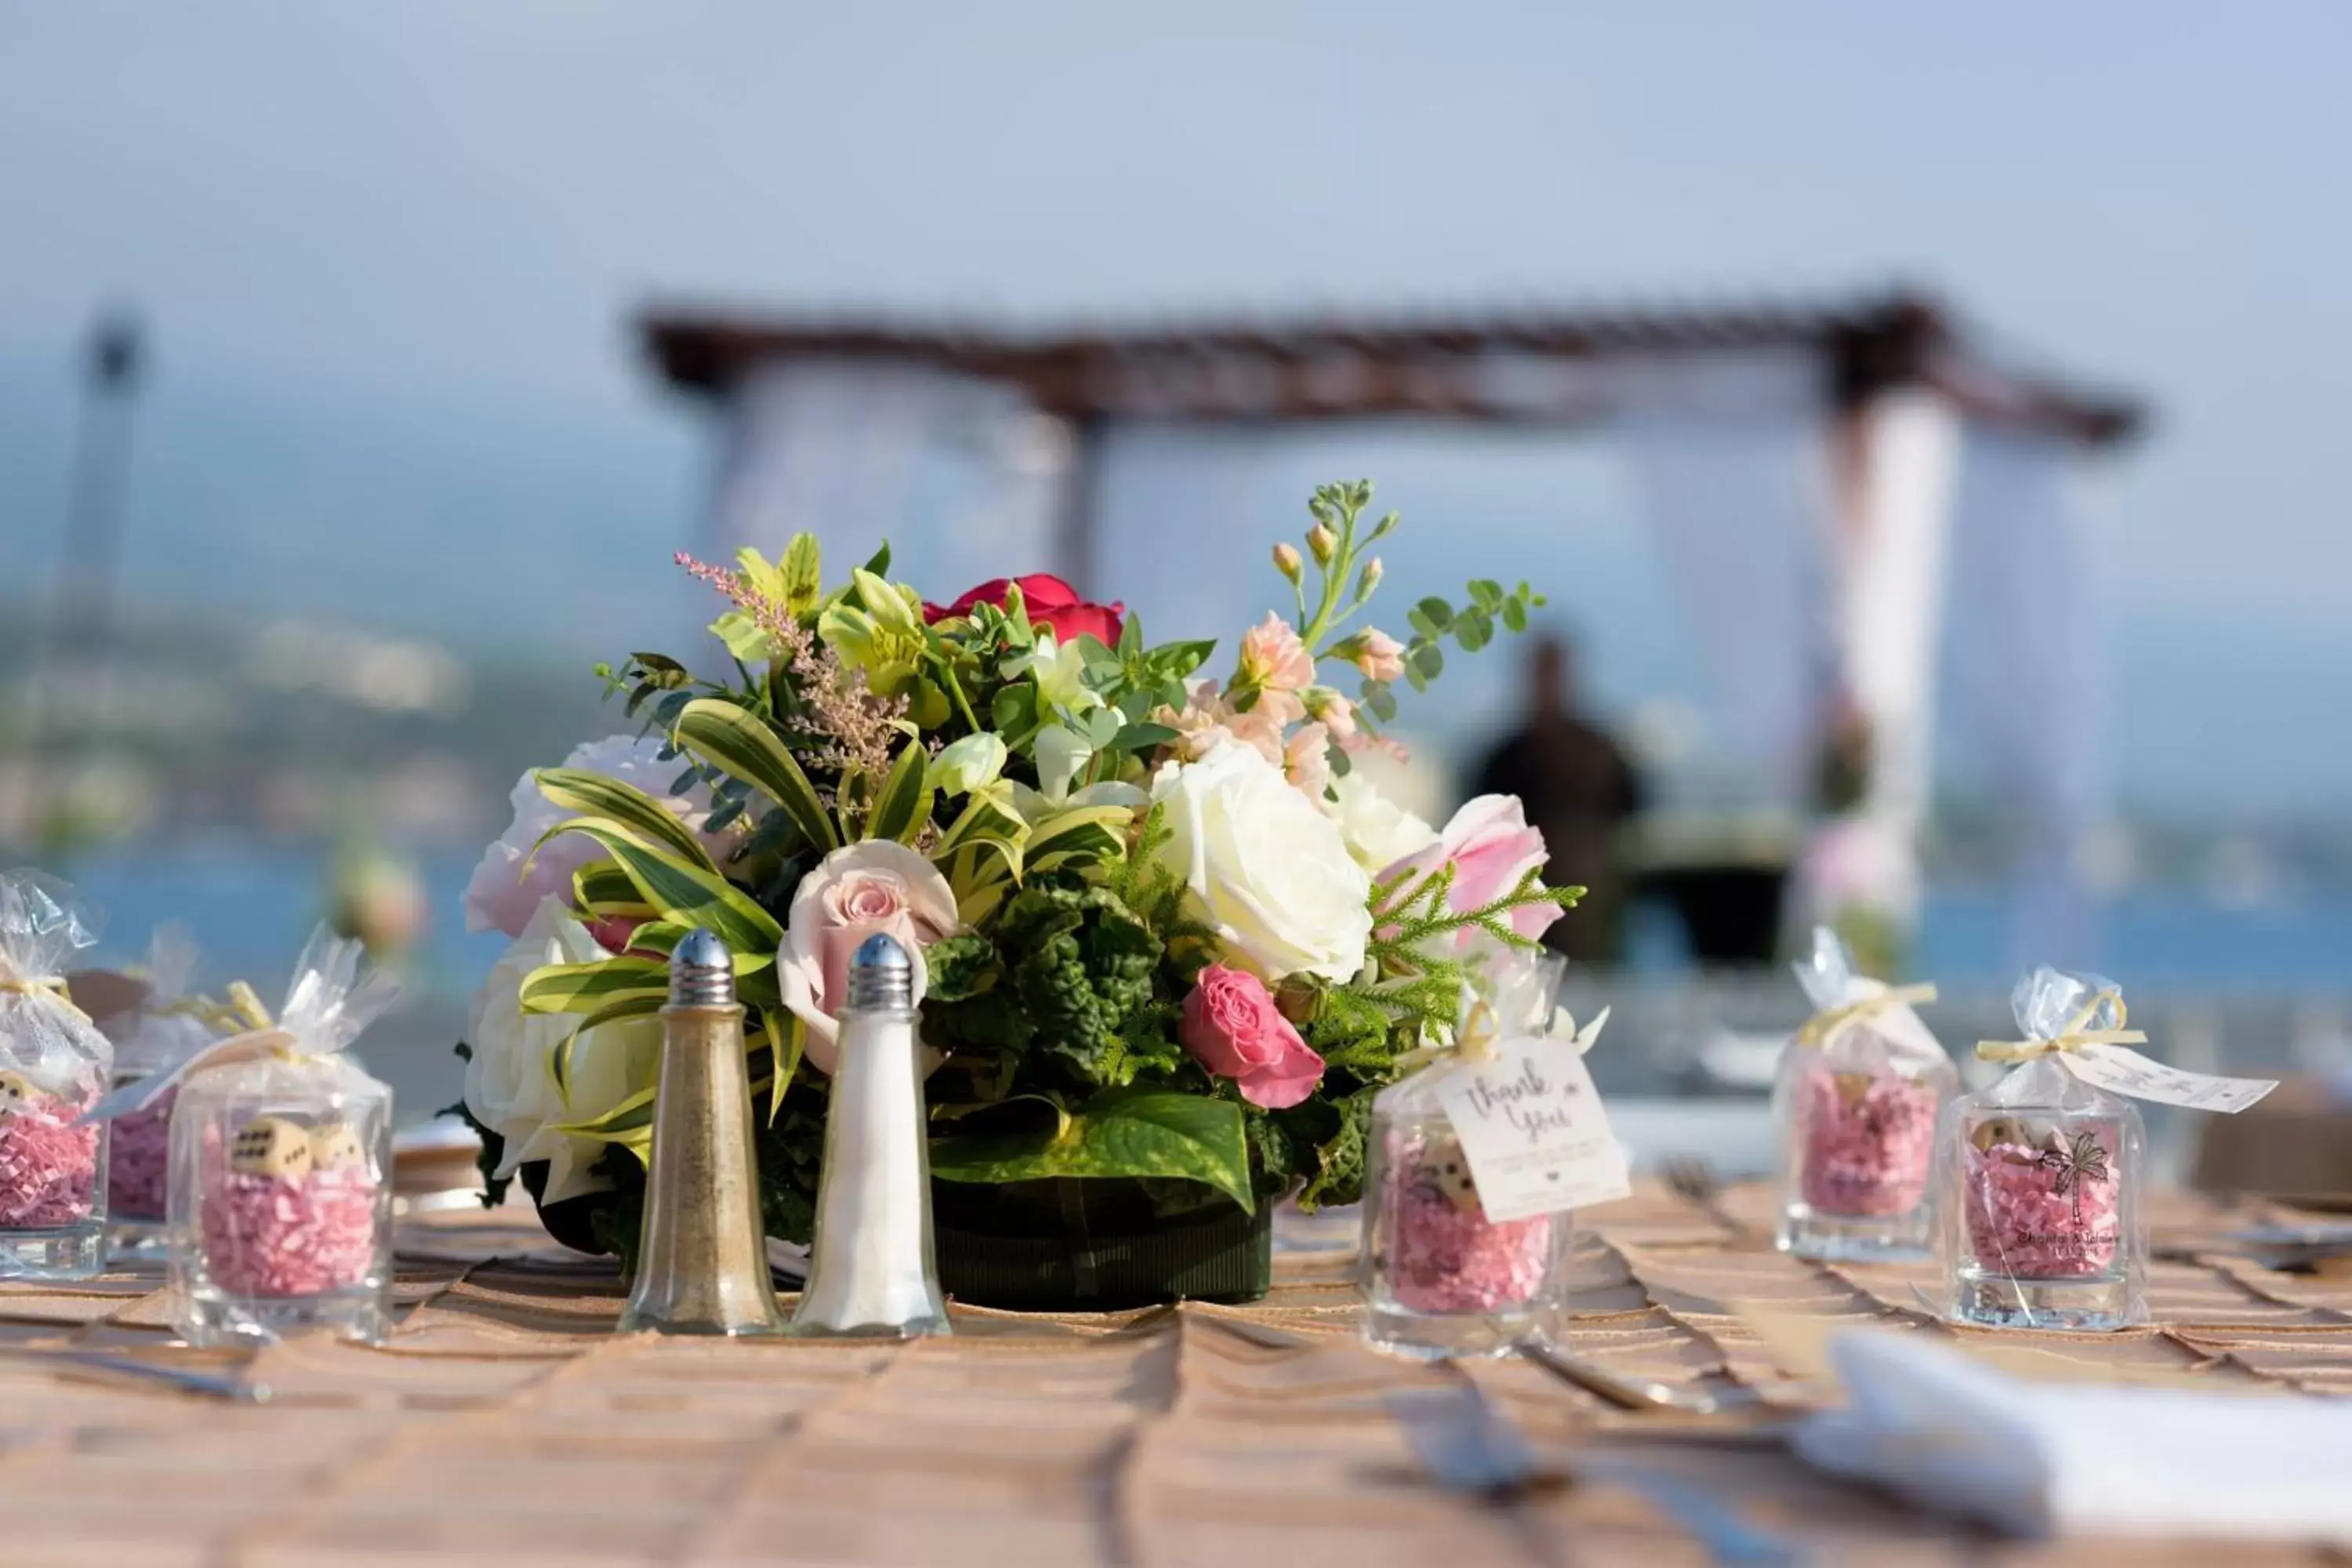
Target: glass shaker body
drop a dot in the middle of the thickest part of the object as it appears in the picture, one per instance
(1440, 1279)
(2042, 1218)
(280, 1202)
(1855, 1130)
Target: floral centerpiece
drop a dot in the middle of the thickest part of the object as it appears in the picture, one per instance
(1167, 942)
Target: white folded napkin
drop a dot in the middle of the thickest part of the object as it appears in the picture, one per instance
(2051, 1458)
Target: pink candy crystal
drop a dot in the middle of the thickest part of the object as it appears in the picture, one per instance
(47, 1168)
(137, 1162)
(1448, 1257)
(1864, 1142)
(291, 1234)
(2021, 1224)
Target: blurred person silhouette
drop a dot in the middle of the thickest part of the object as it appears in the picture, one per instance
(1578, 788)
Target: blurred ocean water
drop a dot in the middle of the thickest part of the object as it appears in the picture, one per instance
(251, 908)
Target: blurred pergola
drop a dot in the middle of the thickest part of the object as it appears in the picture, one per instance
(1543, 369)
(1865, 506)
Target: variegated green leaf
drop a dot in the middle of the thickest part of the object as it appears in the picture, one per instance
(904, 802)
(603, 891)
(593, 794)
(786, 1041)
(585, 987)
(687, 895)
(740, 743)
(629, 1124)
(631, 1007)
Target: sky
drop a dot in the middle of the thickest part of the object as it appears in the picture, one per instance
(390, 255)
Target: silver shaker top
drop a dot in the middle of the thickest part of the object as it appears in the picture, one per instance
(701, 972)
(881, 976)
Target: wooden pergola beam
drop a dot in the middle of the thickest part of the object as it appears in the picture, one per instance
(1426, 368)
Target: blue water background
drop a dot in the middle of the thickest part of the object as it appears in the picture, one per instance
(252, 906)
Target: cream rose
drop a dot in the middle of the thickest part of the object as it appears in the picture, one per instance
(1263, 868)
(857, 890)
(1378, 832)
(510, 1082)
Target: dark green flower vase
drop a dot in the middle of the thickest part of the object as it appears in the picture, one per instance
(1097, 1245)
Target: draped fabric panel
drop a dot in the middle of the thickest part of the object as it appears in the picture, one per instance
(2024, 671)
(1729, 467)
(961, 475)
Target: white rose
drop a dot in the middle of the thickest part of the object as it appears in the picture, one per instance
(510, 1082)
(1265, 868)
(1378, 832)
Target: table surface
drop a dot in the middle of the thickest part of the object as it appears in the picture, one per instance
(505, 1422)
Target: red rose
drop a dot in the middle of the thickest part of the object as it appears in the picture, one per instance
(1051, 602)
(1233, 1029)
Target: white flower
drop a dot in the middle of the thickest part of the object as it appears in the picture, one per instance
(970, 763)
(1059, 671)
(1263, 868)
(502, 895)
(856, 891)
(510, 1082)
(1378, 832)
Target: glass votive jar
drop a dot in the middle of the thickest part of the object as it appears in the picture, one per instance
(52, 1169)
(1857, 1145)
(280, 1202)
(2043, 1225)
(1440, 1279)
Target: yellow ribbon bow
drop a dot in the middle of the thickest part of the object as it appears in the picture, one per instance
(1473, 1042)
(1816, 1030)
(243, 1007)
(2071, 1037)
(52, 986)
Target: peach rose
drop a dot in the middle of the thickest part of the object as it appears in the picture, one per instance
(856, 891)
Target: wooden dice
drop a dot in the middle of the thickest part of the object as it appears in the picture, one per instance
(271, 1146)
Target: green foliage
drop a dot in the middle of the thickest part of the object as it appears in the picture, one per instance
(1126, 1132)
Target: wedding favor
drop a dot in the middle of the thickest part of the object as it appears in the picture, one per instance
(280, 1190)
(54, 1066)
(2040, 1173)
(1475, 1163)
(1854, 1104)
(168, 1026)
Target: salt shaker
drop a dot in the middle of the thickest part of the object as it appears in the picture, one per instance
(872, 1269)
(702, 1262)
(1855, 1105)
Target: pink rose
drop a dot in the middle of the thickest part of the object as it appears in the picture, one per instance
(1233, 1029)
(856, 891)
(1491, 847)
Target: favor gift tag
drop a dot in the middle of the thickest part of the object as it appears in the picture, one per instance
(1532, 1126)
(2123, 1070)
